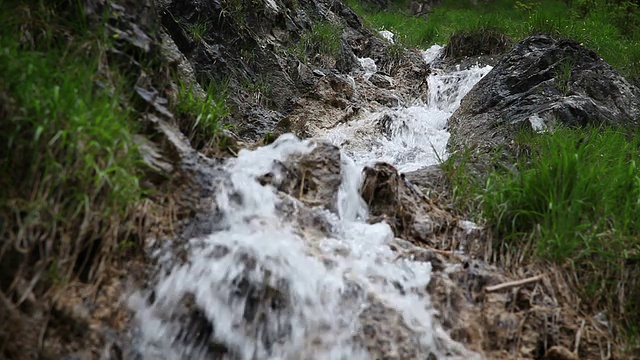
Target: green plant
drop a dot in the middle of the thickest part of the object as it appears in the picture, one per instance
(464, 182)
(606, 28)
(526, 7)
(259, 87)
(198, 29)
(235, 11)
(201, 114)
(67, 153)
(578, 198)
(321, 44)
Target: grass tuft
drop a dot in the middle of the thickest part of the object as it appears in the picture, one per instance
(67, 155)
(321, 44)
(572, 198)
(481, 41)
(201, 115)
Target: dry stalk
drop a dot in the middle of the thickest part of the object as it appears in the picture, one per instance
(510, 284)
(578, 336)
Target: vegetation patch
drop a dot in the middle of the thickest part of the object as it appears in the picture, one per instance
(572, 198)
(71, 188)
(608, 27)
(67, 156)
(320, 45)
(481, 41)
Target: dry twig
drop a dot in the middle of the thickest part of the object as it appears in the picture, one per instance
(510, 284)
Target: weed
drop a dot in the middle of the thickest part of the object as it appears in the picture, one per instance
(464, 182)
(321, 44)
(201, 115)
(609, 29)
(198, 29)
(526, 7)
(480, 41)
(67, 156)
(236, 10)
(395, 55)
(259, 87)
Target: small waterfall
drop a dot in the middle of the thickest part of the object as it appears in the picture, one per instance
(266, 287)
(413, 137)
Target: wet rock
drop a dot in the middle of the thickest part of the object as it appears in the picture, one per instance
(274, 89)
(312, 222)
(258, 299)
(254, 43)
(313, 178)
(173, 145)
(410, 214)
(330, 103)
(559, 353)
(525, 321)
(541, 83)
(385, 335)
(430, 180)
(79, 355)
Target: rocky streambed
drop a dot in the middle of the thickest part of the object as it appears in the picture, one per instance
(325, 231)
(335, 247)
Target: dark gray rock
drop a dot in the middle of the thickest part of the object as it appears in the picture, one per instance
(541, 83)
(410, 214)
(381, 81)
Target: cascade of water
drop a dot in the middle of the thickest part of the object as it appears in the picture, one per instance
(413, 137)
(265, 289)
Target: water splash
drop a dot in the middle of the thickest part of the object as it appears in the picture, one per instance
(432, 53)
(369, 66)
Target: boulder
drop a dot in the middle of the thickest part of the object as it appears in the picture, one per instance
(541, 83)
(313, 178)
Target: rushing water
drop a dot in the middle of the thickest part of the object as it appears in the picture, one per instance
(264, 288)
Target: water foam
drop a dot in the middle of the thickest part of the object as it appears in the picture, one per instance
(413, 137)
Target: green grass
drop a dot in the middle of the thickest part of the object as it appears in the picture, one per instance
(611, 30)
(574, 198)
(198, 30)
(67, 153)
(581, 187)
(201, 116)
(71, 189)
(320, 44)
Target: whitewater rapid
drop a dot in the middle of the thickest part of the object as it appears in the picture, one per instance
(317, 284)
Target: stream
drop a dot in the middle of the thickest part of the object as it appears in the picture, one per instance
(266, 287)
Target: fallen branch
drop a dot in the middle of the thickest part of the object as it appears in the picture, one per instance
(511, 284)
